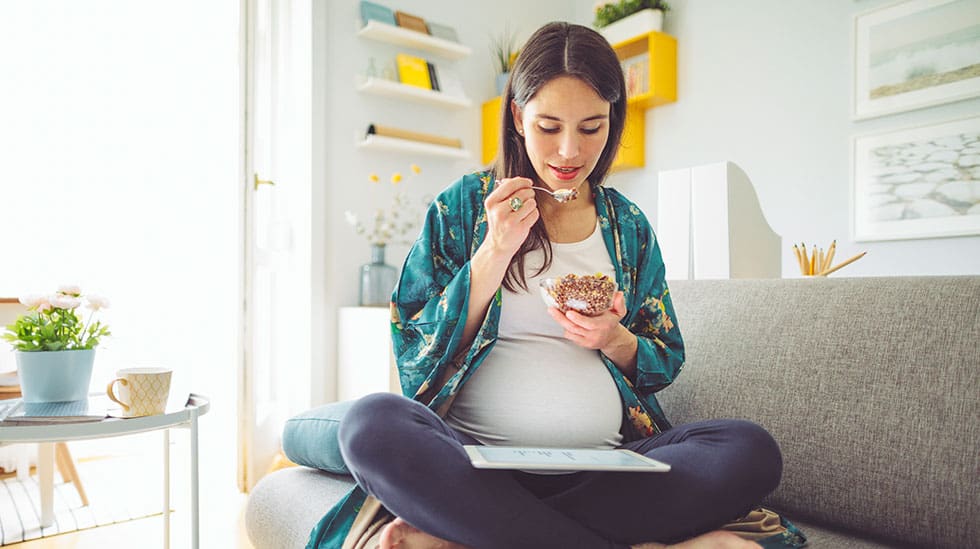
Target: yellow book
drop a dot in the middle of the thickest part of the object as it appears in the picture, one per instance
(413, 71)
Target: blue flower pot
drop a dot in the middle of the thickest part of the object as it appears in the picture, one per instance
(55, 376)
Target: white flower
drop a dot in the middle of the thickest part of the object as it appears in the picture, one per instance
(351, 217)
(70, 289)
(62, 301)
(33, 301)
(97, 302)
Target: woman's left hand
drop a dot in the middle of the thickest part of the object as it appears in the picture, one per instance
(601, 332)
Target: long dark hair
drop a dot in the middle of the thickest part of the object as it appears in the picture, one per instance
(556, 49)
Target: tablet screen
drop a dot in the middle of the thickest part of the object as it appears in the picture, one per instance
(581, 459)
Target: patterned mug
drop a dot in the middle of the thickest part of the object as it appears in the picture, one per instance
(142, 391)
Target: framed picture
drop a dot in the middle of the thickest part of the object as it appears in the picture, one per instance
(917, 183)
(915, 54)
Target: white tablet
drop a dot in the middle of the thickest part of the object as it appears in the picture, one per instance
(561, 459)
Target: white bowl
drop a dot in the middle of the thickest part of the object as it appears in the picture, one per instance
(587, 294)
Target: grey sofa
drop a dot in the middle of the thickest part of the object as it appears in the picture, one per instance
(871, 386)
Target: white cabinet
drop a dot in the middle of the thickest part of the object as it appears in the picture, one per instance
(365, 363)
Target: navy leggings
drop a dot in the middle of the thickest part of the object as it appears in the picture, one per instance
(403, 454)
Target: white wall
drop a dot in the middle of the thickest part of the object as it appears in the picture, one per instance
(767, 84)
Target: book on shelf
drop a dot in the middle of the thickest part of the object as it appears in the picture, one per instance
(433, 77)
(412, 22)
(636, 70)
(413, 71)
(17, 412)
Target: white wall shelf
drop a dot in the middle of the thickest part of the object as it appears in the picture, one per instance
(397, 90)
(383, 32)
(393, 144)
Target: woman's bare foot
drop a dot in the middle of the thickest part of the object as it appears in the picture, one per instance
(399, 534)
(718, 539)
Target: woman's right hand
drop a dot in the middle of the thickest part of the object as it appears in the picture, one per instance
(506, 228)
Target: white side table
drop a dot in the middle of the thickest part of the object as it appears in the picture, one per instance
(48, 434)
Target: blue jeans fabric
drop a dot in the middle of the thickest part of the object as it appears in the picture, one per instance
(402, 453)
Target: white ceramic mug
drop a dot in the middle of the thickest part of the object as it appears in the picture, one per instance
(142, 391)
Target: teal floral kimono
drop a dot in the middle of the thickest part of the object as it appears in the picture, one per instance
(429, 307)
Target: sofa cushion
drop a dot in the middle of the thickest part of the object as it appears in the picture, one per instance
(868, 384)
(310, 438)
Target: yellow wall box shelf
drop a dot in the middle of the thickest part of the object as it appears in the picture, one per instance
(661, 52)
(383, 32)
(388, 88)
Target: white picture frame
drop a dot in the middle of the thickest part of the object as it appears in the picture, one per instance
(921, 182)
(915, 54)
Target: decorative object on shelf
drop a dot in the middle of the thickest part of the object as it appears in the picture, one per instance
(622, 20)
(411, 22)
(504, 50)
(445, 32)
(915, 54)
(919, 182)
(55, 348)
(407, 135)
(371, 11)
(391, 226)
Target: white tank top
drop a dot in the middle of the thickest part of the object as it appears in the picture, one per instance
(537, 388)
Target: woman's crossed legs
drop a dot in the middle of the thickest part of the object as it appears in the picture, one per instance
(405, 455)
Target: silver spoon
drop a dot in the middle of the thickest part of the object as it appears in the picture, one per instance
(561, 195)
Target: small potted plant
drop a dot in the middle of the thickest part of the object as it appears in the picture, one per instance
(504, 50)
(55, 346)
(624, 19)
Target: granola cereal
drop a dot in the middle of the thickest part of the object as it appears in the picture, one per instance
(587, 294)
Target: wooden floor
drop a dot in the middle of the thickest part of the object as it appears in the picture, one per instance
(221, 510)
(116, 536)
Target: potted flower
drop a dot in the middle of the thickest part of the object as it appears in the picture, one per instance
(55, 346)
(387, 226)
(622, 20)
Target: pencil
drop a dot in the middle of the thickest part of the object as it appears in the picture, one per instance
(830, 253)
(806, 260)
(813, 261)
(799, 258)
(820, 259)
(843, 264)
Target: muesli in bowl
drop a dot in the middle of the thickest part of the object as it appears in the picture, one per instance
(587, 294)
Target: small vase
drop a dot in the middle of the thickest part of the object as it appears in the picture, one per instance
(501, 82)
(55, 376)
(377, 279)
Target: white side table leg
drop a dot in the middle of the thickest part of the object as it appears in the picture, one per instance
(45, 475)
(195, 511)
(166, 489)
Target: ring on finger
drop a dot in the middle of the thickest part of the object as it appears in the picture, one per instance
(516, 203)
